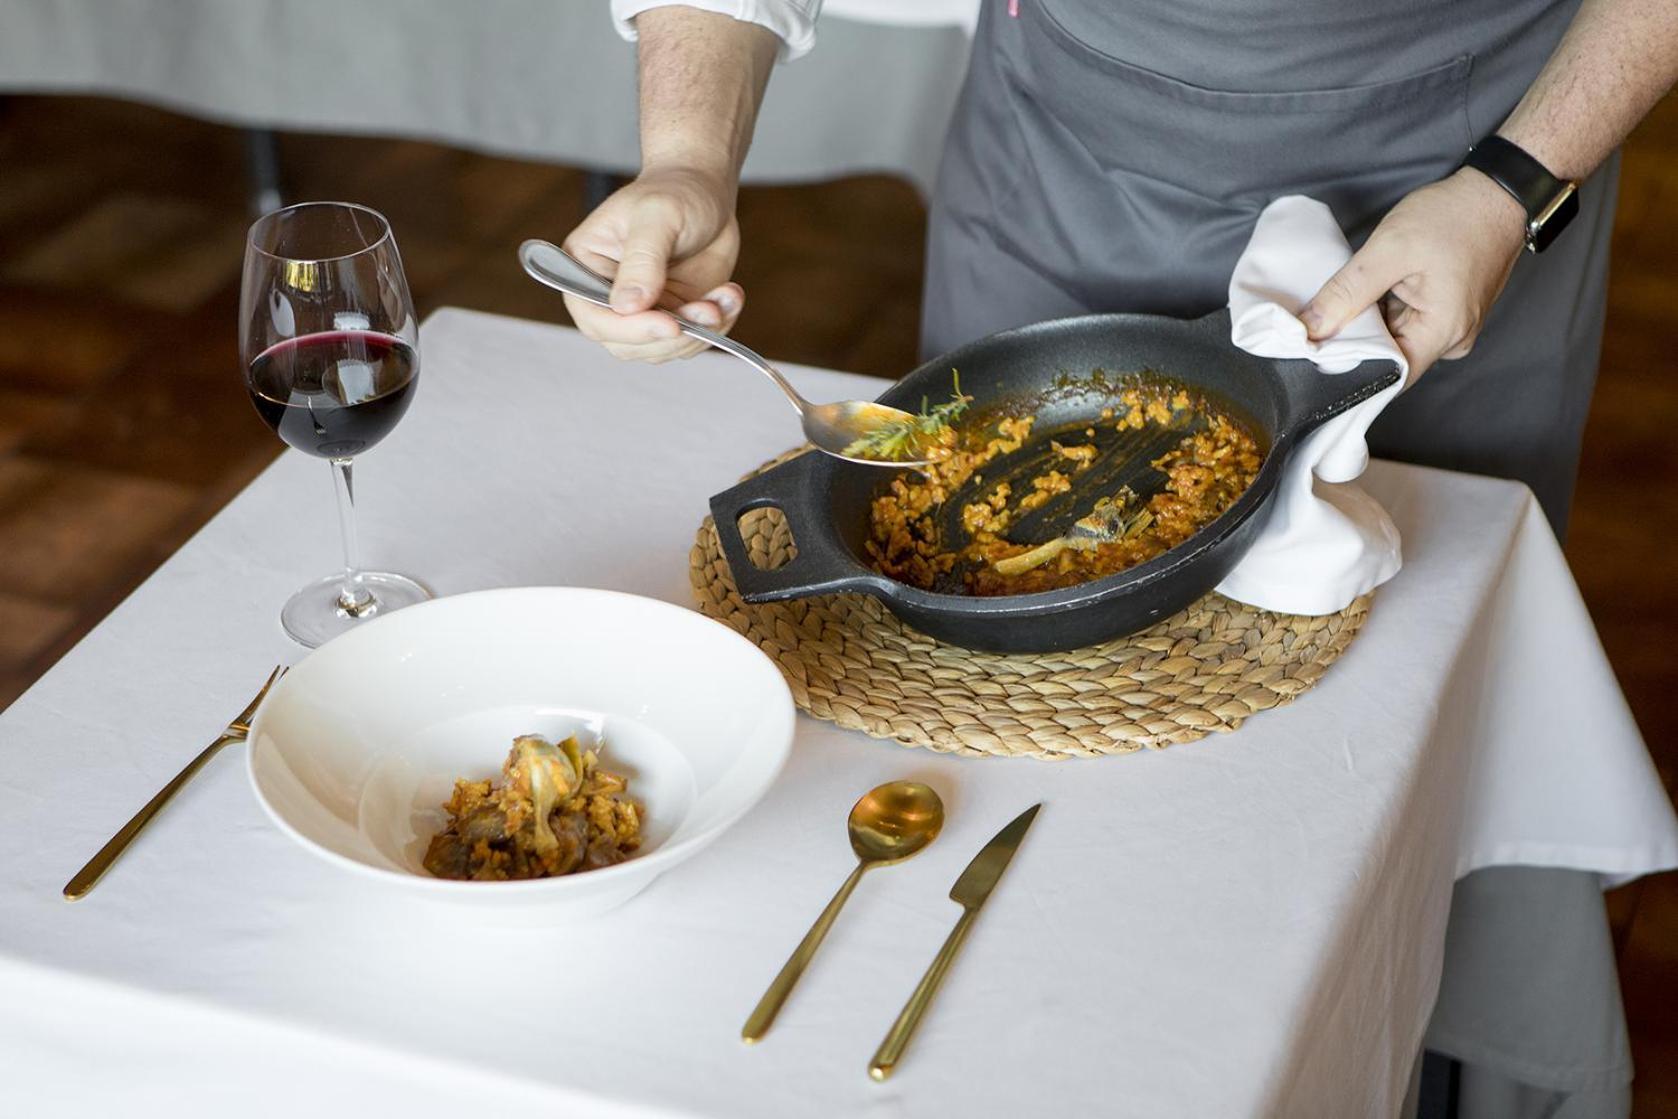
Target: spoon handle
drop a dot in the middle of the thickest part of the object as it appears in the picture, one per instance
(763, 1015)
(746, 354)
(549, 264)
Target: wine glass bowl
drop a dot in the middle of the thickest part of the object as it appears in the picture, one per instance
(329, 343)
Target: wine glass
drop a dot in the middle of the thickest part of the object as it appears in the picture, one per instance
(329, 344)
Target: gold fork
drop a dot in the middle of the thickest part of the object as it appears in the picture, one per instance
(96, 867)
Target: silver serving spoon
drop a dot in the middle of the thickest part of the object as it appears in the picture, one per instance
(832, 428)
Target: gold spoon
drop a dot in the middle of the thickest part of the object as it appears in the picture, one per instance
(889, 824)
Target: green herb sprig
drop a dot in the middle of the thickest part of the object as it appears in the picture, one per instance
(906, 439)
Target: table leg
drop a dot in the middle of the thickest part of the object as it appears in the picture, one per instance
(597, 187)
(1437, 1087)
(262, 170)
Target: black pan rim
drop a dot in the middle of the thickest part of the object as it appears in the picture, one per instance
(838, 568)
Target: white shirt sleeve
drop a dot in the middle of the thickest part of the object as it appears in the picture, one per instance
(793, 21)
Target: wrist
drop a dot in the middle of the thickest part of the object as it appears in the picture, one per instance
(1521, 131)
(716, 182)
(706, 158)
(1548, 202)
(1497, 205)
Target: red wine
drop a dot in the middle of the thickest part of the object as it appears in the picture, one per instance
(334, 394)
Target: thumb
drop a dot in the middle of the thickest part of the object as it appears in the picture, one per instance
(1370, 274)
(646, 255)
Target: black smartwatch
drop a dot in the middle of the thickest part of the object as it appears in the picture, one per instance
(1550, 202)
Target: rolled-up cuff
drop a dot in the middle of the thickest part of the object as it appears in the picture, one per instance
(791, 21)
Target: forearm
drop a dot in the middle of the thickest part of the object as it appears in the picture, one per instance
(702, 77)
(1617, 59)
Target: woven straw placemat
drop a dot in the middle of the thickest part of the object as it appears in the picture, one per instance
(848, 660)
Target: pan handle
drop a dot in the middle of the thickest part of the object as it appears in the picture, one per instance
(822, 566)
(1315, 396)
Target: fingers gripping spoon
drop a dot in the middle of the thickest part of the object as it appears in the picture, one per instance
(836, 428)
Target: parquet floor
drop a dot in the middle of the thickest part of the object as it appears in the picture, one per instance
(123, 426)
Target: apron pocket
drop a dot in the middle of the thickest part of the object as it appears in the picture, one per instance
(1358, 148)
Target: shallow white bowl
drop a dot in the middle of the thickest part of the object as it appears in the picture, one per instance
(355, 750)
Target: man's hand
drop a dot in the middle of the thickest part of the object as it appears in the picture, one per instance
(669, 238)
(1436, 263)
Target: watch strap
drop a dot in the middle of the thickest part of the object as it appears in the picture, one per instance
(1549, 202)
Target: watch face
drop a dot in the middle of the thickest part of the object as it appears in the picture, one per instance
(1545, 229)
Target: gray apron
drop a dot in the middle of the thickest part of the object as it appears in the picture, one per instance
(1082, 175)
(1114, 156)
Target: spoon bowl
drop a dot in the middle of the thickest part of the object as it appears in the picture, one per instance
(830, 428)
(894, 821)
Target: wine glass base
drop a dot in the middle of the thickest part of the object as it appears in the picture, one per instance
(313, 615)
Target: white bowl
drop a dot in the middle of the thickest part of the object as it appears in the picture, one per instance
(355, 750)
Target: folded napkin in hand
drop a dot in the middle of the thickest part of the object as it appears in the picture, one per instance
(1326, 541)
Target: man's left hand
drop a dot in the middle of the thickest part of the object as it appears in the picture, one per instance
(1436, 263)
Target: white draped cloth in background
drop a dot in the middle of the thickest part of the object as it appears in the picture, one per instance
(536, 79)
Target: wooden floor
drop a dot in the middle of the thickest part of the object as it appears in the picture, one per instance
(123, 424)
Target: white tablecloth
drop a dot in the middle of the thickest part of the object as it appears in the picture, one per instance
(1248, 925)
(537, 79)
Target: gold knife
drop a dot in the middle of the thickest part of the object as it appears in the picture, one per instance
(970, 892)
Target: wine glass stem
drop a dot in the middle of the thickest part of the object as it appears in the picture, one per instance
(354, 599)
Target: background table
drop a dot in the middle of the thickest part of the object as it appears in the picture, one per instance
(1246, 925)
(538, 79)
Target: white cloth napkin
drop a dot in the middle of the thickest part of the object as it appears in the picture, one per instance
(1326, 541)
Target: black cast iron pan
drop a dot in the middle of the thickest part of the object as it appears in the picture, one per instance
(1047, 369)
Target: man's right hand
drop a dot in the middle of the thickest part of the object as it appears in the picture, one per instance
(668, 239)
